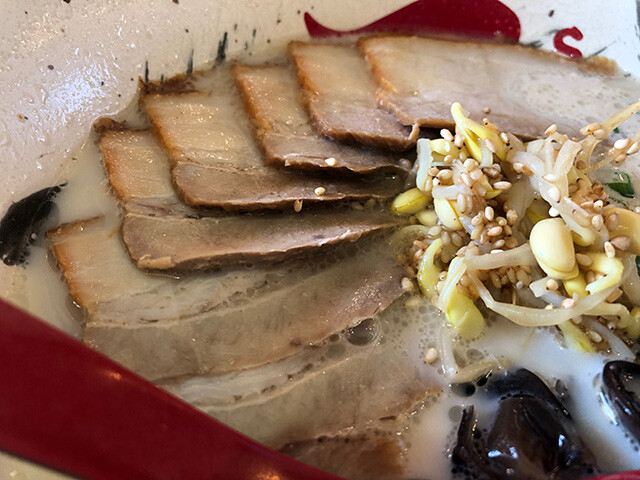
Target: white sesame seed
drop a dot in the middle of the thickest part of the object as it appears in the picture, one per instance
(446, 134)
(517, 167)
(554, 194)
(462, 202)
(320, 191)
(434, 231)
(600, 134)
(430, 355)
(597, 221)
(458, 140)
(549, 307)
(448, 159)
(609, 249)
(330, 161)
(612, 221)
(407, 284)
(568, 303)
(466, 179)
(551, 129)
(622, 144)
(550, 177)
(502, 185)
(504, 137)
(495, 231)
(477, 220)
(583, 260)
(621, 242)
(489, 213)
(297, 206)
(594, 336)
(490, 145)
(551, 285)
(635, 148)
(486, 110)
(476, 174)
(512, 216)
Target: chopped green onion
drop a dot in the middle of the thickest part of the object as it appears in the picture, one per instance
(623, 187)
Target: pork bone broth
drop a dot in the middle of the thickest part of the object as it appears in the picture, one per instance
(431, 377)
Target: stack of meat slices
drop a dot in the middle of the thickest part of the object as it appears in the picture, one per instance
(220, 279)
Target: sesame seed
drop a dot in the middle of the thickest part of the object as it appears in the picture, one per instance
(476, 174)
(527, 171)
(466, 179)
(594, 336)
(495, 231)
(501, 221)
(320, 191)
(477, 220)
(553, 212)
(491, 172)
(431, 355)
(512, 216)
(448, 159)
(621, 242)
(622, 144)
(598, 205)
(499, 244)
(297, 206)
(609, 249)
(550, 177)
(517, 167)
(407, 284)
(586, 205)
(490, 145)
(458, 140)
(504, 137)
(470, 164)
(462, 202)
(330, 161)
(554, 194)
(495, 279)
(446, 134)
(502, 185)
(635, 148)
(433, 171)
(612, 221)
(434, 231)
(511, 274)
(477, 232)
(549, 307)
(620, 158)
(568, 303)
(583, 260)
(551, 129)
(592, 127)
(489, 213)
(601, 134)
(597, 221)
(486, 110)
(445, 175)
(551, 285)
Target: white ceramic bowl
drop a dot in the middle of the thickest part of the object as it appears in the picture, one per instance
(65, 63)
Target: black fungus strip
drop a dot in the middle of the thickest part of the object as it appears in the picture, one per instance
(22, 222)
(624, 402)
(532, 435)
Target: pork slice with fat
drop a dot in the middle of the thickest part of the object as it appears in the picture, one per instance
(197, 243)
(347, 387)
(272, 97)
(215, 161)
(163, 233)
(214, 323)
(340, 96)
(419, 78)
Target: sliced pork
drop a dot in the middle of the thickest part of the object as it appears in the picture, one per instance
(272, 97)
(163, 233)
(347, 386)
(378, 455)
(214, 323)
(340, 96)
(195, 243)
(419, 78)
(216, 162)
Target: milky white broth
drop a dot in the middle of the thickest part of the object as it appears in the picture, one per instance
(431, 429)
